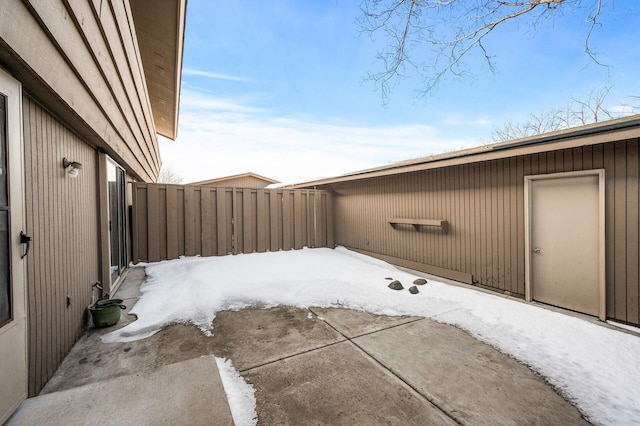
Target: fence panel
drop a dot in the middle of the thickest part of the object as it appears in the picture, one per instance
(184, 220)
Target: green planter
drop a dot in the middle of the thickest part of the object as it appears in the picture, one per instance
(106, 312)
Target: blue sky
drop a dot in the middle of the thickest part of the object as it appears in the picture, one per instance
(277, 88)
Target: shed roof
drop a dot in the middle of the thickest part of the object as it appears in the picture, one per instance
(601, 132)
(160, 32)
(233, 177)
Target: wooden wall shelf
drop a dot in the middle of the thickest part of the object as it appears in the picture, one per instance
(417, 223)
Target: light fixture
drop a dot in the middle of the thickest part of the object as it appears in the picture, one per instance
(72, 167)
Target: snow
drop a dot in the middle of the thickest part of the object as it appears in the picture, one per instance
(240, 395)
(595, 367)
(625, 326)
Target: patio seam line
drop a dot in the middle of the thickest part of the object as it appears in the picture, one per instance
(415, 389)
(293, 355)
(368, 332)
(393, 373)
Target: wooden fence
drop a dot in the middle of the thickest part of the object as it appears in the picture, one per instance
(183, 220)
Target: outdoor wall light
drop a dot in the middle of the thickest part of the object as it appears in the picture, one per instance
(72, 167)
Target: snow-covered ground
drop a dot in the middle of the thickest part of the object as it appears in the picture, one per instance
(597, 368)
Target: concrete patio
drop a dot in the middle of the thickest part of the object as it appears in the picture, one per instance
(315, 366)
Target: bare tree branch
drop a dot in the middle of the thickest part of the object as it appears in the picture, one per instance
(167, 175)
(577, 112)
(591, 110)
(446, 32)
(593, 19)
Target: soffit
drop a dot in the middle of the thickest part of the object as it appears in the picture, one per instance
(160, 31)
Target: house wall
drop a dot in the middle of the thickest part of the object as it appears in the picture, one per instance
(483, 203)
(62, 219)
(80, 59)
(85, 93)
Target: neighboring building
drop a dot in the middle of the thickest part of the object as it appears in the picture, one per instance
(244, 180)
(551, 218)
(84, 89)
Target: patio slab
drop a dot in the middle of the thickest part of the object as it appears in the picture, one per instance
(189, 392)
(253, 337)
(337, 385)
(90, 360)
(471, 381)
(312, 366)
(357, 323)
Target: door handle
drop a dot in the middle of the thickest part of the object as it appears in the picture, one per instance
(25, 239)
(537, 250)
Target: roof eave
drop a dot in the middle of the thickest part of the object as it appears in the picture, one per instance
(160, 27)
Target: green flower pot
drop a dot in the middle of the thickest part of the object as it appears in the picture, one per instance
(106, 312)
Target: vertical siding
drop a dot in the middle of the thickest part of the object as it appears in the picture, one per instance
(61, 218)
(175, 220)
(484, 204)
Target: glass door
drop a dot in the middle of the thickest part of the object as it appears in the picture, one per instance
(117, 219)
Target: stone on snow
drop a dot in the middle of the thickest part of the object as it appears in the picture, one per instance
(396, 285)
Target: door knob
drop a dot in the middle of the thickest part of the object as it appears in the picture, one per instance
(537, 250)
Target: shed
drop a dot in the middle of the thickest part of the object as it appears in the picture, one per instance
(551, 218)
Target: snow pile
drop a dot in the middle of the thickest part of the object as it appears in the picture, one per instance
(240, 396)
(193, 290)
(596, 368)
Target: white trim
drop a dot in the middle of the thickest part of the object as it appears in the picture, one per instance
(12, 89)
(600, 173)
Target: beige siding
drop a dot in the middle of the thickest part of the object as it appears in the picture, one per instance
(174, 220)
(61, 218)
(80, 60)
(483, 204)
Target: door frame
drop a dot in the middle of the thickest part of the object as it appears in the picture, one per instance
(528, 180)
(18, 325)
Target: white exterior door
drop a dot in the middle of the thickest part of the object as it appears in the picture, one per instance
(13, 315)
(565, 241)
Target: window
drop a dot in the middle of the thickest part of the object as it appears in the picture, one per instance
(5, 258)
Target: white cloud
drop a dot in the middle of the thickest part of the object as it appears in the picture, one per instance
(623, 110)
(219, 137)
(193, 102)
(215, 75)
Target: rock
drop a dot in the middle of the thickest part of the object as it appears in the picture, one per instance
(388, 278)
(396, 285)
(414, 290)
(420, 281)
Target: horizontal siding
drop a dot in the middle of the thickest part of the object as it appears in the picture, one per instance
(80, 60)
(186, 220)
(61, 218)
(484, 206)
